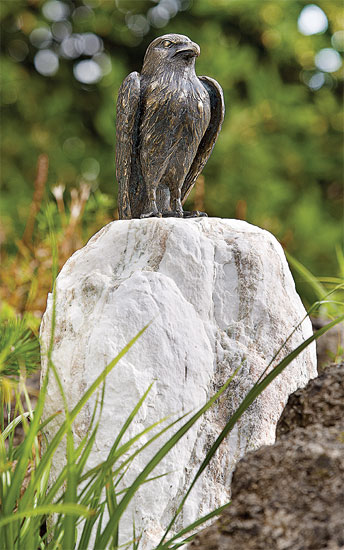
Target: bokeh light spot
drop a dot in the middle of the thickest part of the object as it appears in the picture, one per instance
(61, 29)
(316, 81)
(271, 13)
(72, 46)
(92, 43)
(337, 41)
(54, 10)
(312, 20)
(328, 60)
(41, 37)
(25, 21)
(90, 169)
(104, 62)
(73, 147)
(78, 44)
(138, 24)
(87, 71)
(184, 4)
(172, 6)
(18, 50)
(82, 13)
(271, 38)
(158, 16)
(46, 62)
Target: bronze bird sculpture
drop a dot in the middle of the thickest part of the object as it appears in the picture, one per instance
(168, 120)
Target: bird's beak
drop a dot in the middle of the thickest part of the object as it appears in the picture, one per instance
(190, 50)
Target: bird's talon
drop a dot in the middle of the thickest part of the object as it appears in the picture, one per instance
(151, 215)
(172, 214)
(194, 214)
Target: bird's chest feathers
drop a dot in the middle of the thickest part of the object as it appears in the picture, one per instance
(176, 101)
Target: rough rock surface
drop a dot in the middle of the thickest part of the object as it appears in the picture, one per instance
(320, 402)
(219, 294)
(290, 495)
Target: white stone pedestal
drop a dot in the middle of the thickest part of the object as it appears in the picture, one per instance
(217, 293)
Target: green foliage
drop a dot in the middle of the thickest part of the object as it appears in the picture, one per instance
(329, 291)
(19, 348)
(277, 161)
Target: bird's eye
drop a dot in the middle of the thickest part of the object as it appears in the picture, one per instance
(166, 43)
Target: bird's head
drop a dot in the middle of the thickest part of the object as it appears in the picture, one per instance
(174, 51)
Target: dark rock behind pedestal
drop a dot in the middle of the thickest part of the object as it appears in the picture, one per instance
(321, 402)
(290, 495)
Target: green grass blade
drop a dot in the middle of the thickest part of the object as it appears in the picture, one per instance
(66, 508)
(318, 288)
(340, 259)
(70, 497)
(182, 543)
(89, 523)
(332, 280)
(136, 538)
(70, 494)
(111, 501)
(122, 491)
(20, 470)
(193, 526)
(131, 418)
(121, 475)
(113, 457)
(86, 452)
(13, 424)
(99, 527)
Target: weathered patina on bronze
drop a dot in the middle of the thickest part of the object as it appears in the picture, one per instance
(168, 120)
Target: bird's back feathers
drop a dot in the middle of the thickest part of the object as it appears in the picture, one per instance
(217, 109)
(128, 112)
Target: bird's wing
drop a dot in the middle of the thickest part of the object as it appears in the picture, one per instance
(126, 133)
(217, 107)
